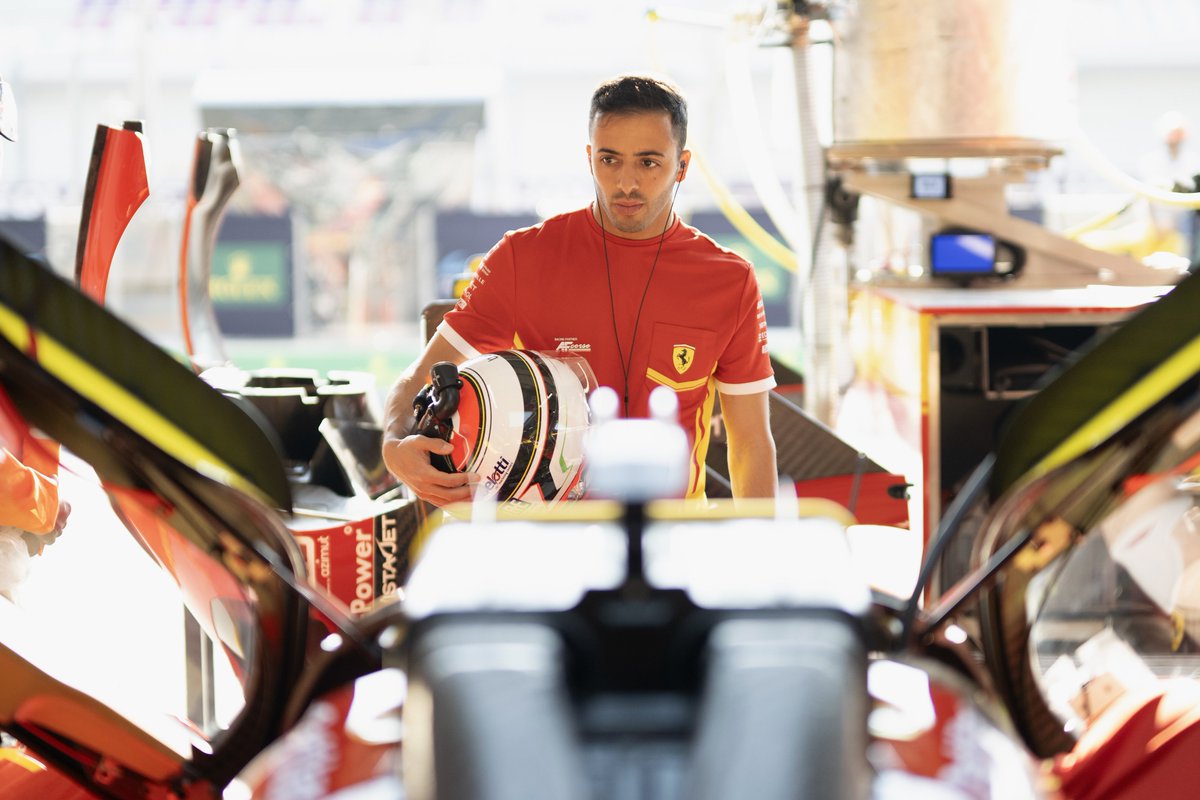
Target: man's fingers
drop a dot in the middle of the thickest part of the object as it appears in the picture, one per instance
(443, 488)
(445, 498)
(408, 460)
(448, 479)
(429, 443)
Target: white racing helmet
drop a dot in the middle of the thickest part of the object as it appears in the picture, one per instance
(520, 425)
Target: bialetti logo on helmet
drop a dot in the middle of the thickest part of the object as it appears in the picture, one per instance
(572, 346)
(499, 470)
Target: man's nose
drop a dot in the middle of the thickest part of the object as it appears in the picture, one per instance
(627, 180)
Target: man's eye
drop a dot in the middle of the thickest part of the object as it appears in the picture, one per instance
(648, 164)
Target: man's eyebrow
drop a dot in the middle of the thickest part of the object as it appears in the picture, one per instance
(639, 154)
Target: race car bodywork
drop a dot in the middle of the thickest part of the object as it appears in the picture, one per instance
(631, 647)
(116, 188)
(214, 180)
(186, 459)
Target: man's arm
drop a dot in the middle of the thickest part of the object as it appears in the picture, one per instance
(752, 468)
(407, 454)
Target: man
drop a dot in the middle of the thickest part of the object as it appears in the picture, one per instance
(646, 299)
(1171, 165)
(29, 503)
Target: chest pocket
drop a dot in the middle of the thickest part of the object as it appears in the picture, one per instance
(681, 357)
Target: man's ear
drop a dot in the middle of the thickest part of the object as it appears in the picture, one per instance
(685, 159)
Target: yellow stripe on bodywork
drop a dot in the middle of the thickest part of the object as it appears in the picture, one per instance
(684, 386)
(689, 510)
(18, 757)
(88, 382)
(1159, 382)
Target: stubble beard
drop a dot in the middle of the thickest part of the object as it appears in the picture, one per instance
(654, 207)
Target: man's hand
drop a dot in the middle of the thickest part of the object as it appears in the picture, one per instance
(36, 542)
(60, 522)
(406, 454)
(408, 460)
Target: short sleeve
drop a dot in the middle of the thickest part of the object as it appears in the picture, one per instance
(482, 321)
(745, 365)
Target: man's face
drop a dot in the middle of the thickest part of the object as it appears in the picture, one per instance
(635, 164)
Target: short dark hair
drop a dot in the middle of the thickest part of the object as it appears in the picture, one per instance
(632, 94)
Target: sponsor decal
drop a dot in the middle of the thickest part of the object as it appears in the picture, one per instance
(360, 561)
(682, 356)
(364, 570)
(499, 470)
(307, 758)
(310, 557)
(571, 345)
(249, 274)
(388, 548)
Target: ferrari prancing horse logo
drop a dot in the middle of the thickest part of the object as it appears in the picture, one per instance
(682, 357)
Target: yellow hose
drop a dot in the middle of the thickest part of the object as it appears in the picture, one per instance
(1098, 221)
(742, 221)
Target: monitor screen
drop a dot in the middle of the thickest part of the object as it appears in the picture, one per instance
(930, 186)
(962, 254)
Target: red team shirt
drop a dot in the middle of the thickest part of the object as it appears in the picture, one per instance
(702, 328)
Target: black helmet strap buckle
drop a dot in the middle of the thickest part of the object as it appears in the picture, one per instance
(434, 406)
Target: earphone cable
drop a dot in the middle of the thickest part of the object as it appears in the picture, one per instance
(627, 363)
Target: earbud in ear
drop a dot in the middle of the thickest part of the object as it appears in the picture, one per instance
(679, 175)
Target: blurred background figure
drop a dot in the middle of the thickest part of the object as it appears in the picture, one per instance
(1172, 164)
(1152, 231)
